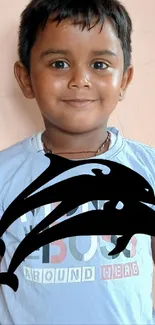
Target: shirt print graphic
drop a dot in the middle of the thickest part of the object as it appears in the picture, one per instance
(51, 261)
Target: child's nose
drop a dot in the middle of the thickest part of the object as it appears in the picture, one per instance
(80, 79)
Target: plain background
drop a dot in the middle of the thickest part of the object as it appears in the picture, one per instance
(134, 117)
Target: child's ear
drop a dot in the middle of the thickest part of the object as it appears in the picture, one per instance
(127, 78)
(23, 78)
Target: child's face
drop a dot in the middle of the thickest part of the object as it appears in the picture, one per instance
(78, 74)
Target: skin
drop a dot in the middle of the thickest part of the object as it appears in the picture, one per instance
(81, 74)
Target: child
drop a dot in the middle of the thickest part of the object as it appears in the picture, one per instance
(75, 60)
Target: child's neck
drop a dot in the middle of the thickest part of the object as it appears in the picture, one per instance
(63, 143)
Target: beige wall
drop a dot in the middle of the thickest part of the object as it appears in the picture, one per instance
(135, 116)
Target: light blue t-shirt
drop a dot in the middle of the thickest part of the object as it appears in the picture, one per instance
(74, 281)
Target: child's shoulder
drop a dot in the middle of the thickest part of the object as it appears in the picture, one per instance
(134, 148)
(11, 160)
(140, 152)
(139, 147)
(13, 152)
(12, 157)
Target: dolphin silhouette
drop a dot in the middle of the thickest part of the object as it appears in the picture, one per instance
(84, 186)
(87, 223)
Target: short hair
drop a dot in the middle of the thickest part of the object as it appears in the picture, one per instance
(37, 13)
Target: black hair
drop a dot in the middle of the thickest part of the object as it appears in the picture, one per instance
(37, 13)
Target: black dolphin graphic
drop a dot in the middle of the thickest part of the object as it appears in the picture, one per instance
(90, 190)
(78, 226)
(120, 176)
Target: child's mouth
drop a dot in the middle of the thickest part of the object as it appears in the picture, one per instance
(79, 103)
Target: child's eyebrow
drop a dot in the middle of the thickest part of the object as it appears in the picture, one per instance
(67, 52)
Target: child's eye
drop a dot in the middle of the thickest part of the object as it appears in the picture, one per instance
(100, 65)
(61, 65)
(58, 64)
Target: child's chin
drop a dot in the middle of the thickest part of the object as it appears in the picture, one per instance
(78, 129)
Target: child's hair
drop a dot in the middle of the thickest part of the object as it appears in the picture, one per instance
(36, 14)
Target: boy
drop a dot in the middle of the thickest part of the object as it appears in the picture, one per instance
(77, 71)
